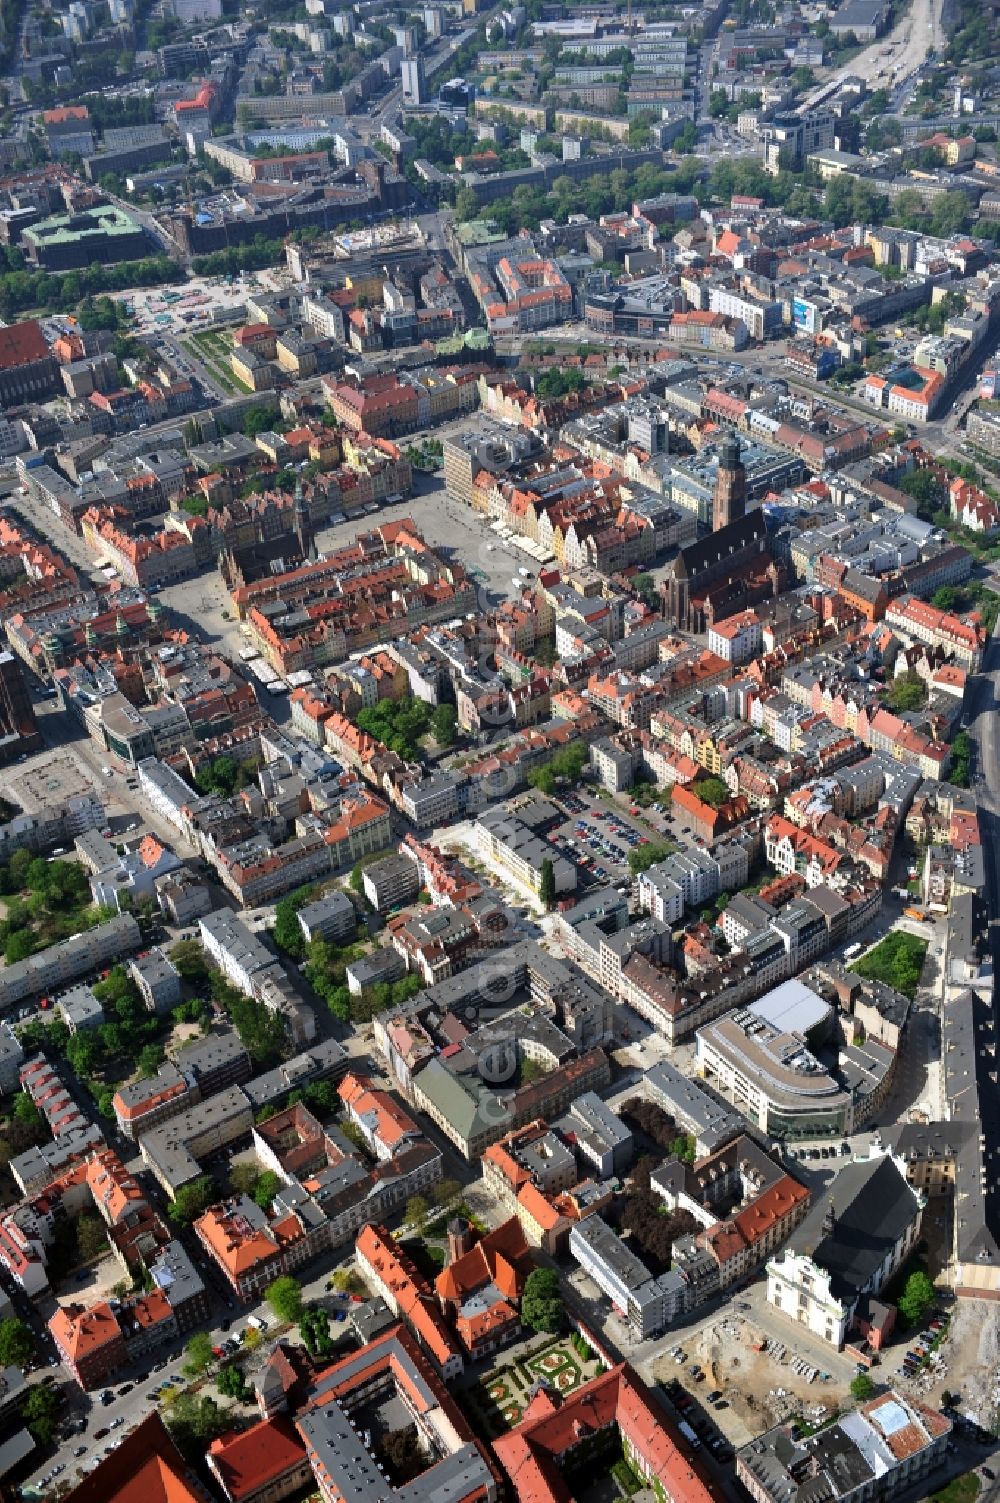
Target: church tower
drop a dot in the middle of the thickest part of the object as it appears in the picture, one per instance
(303, 523)
(729, 500)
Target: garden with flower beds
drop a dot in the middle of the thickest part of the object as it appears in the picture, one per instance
(500, 1398)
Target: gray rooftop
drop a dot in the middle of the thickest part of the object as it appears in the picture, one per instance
(324, 1058)
(694, 1108)
(173, 1271)
(352, 1468)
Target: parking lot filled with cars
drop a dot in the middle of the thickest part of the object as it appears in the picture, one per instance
(597, 839)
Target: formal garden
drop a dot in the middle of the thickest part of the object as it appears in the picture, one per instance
(498, 1400)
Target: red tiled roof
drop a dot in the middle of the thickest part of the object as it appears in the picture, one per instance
(532, 1454)
(22, 343)
(247, 1462)
(145, 1468)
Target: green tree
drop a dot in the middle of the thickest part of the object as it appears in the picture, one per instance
(243, 1179)
(644, 856)
(27, 1113)
(40, 1412)
(285, 1298)
(541, 1302)
(443, 724)
(417, 1211)
(91, 1237)
(17, 1343)
(232, 1384)
(287, 932)
(198, 1353)
(445, 1191)
(150, 1059)
(944, 599)
(193, 1200)
(84, 1052)
(712, 791)
(907, 692)
(263, 1033)
(194, 1422)
(314, 1328)
(260, 419)
(925, 488)
(189, 958)
(862, 1387)
(916, 1298)
(18, 946)
(266, 1188)
(547, 885)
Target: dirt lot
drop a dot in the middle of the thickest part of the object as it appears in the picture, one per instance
(760, 1389)
(970, 1361)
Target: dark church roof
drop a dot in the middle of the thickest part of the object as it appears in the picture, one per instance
(747, 533)
(872, 1207)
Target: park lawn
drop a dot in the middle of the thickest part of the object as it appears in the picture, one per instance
(897, 960)
(213, 350)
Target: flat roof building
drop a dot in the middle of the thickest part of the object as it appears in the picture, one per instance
(172, 1150)
(105, 234)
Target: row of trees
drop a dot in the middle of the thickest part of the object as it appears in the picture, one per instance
(21, 290)
(594, 196)
(642, 1219)
(658, 1126)
(253, 256)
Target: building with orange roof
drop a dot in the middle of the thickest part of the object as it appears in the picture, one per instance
(539, 1451)
(544, 1223)
(264, 1464)
(386, 1128)
(711, 331)
(481, 1290)
(146, 1467)
(394, 1276)
(250, 1250)
(923, 622)
(392, 1369)
(89, 1341)
(147, 1321)
(116, 1193)
(911, 392)
(535, 294)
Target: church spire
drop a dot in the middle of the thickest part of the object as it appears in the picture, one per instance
(303, 522)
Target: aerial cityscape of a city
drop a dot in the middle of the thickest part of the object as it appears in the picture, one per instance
(499, 751)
